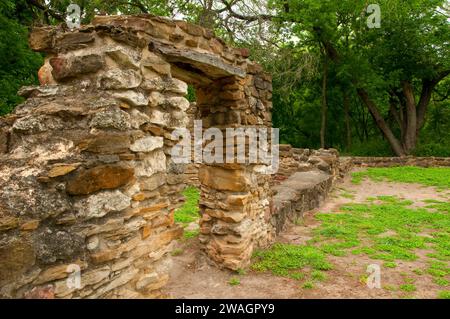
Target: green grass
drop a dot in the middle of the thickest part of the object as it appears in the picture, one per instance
(234, 281)
(318, 275)
(284, 259)
(408, 287)
(390, 264)
(445, 294)
(371, 222)
(434, 176)
(191, 234)
(386, 228)
(441, 281)
(189, 212)
(389, 230)
(308, 285)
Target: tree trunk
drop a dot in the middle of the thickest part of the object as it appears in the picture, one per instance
(348, 130)
(410, 136)
(393, 141)
(323, 126)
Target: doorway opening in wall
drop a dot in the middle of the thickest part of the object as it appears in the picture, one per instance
(189, 214)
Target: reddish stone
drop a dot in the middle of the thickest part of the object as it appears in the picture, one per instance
(98, 178)
(45, 292)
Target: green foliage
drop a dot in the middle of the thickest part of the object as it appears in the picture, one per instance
(18, 64)
(435, 176)
(234, 281)
(189, 212)
(308, 285)
(445, 294)
(283, 259)
(188, 234)
(408, 287)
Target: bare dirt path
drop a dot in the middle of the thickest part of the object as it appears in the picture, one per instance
(192, 277)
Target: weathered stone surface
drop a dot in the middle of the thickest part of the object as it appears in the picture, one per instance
(99, 178)
(74, 41)
(138, 118)
(17, 256)
(56, 272)
(64, 68)
(224, 179)
(30, 225)
(35, 124)
(53, 246)
(208, 63)
(153, 182)
(87, 279)
(61, 170)
(41, 39)
(112, 118)
(147, 144)
(153, 163)
(3, 141)
(155, 62)
(8, 222)
(171, 85)
(98, 205)
(120, 79)
(46, 292)
(106, 143)
(132, 98)
(28, 196)
(115, 283)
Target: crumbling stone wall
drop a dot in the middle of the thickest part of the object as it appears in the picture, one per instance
(294, 160)
(86, 176)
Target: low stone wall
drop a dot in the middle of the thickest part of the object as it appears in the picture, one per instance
(397, 161)
(346, 164)
(294, 160)
(301, 192)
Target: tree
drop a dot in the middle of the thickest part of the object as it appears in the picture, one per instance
(401, 62)
(18, 64)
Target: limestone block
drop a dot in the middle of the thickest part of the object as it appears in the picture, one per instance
(65, 68)
(133, 98)
(99, 178)
(147, 144)
(111, 118)
(117, 79)
(102, 203)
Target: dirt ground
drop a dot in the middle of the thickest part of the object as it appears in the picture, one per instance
(192, 277)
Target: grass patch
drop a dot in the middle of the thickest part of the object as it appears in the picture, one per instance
(390, 229)
(189, 212)
(283, 259)
(433, 176)
(308, 285)
(234, 281)
(384, 228)
(191, 233)
(390, 264)
(408, 287)
(445, 294)
(441, 282)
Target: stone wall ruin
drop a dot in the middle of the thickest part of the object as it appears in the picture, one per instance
(86, 177)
